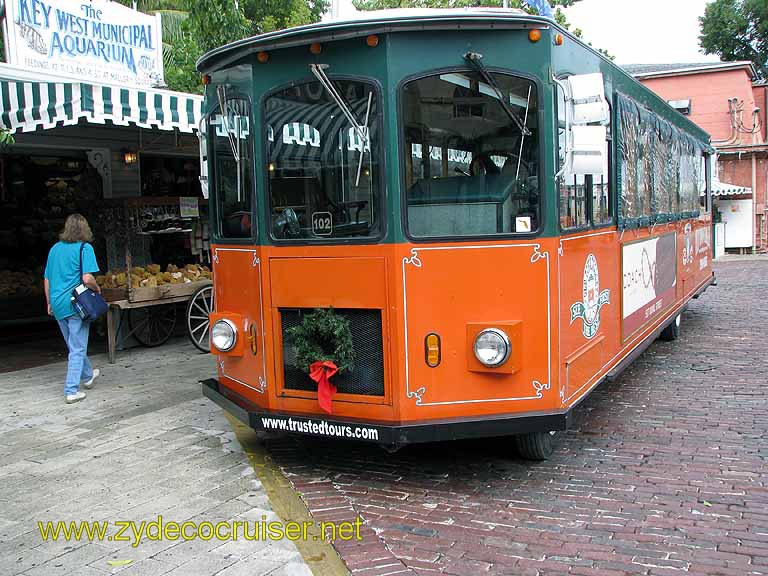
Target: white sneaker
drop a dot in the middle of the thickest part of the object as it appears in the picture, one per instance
(88, 384)
(72, 398)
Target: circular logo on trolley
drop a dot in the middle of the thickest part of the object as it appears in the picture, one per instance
(688, 252)
(592, 299)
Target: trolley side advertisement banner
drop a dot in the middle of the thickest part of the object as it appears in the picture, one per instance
(649, 276)
(96, 41)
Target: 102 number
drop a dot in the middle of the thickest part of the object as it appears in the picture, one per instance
(322, 223)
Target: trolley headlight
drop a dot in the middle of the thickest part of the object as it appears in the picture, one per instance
(492, 347)
(224, 335)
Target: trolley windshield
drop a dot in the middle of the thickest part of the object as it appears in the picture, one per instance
(323, 169)
(471, 159)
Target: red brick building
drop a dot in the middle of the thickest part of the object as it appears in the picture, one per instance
(727, 100)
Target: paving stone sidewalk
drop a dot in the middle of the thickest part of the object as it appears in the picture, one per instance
(143, 443)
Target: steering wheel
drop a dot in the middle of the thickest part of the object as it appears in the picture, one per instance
(482, 165)
(462, 172)
(287, 224)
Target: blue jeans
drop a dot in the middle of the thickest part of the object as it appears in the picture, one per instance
(75, 333)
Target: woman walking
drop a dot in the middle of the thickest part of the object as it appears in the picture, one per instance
(70, 262)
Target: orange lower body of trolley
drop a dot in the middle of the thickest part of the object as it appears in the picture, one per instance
(571, 311)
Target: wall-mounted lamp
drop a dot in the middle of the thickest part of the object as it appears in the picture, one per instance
(130, 157)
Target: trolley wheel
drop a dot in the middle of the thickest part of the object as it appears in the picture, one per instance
(535, 445)
(152, 325)
(198, 318)
(672, 330)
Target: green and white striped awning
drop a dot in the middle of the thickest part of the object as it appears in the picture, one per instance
(726, 189)
(30, 106)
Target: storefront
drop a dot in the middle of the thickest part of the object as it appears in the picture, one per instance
(125, 155)
(734, 207)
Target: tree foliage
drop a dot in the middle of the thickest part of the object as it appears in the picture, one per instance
(209, 24)
(193, 27)
(172, 15)
(737, 30)
(269, 15)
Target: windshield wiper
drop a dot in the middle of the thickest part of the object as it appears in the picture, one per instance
(319, 71)
(221, 93)
(233, 137)
(522, 138)
(364, 144)
(474, 59)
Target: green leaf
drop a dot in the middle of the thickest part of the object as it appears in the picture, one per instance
(173, 21)
(6, 138)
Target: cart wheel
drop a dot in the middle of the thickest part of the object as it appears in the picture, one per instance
(672, 331)
(198, 322)
(152, 325)
(535, 445)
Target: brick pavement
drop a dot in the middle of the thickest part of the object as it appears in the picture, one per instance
(664, 474)
(144, 442)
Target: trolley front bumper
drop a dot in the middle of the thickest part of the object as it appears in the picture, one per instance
(393, 435)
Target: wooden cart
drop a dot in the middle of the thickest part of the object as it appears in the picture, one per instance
(150, 312)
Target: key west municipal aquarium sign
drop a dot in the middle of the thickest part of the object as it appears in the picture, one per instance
(94, 41)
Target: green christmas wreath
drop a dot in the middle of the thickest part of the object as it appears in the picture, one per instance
(323, 336)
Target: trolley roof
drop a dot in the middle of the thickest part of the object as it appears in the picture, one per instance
(373, 22)
(364, 23)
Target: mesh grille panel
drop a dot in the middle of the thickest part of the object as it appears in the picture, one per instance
(366, 378)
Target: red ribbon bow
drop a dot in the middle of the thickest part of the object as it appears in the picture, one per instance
(320, 372)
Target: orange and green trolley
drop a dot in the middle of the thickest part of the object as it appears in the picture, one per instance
(432, 225)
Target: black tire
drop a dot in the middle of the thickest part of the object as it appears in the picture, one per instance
(152, 325)
(535, 445)
(198, 324)
(672, 331)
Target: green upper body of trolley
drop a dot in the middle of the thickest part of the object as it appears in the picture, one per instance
(409, 46)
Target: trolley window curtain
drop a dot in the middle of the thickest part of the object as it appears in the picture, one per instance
(661, 175)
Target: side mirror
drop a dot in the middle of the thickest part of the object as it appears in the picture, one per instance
(588, 99)
(586, 149)
(589, 154)
(202, 136)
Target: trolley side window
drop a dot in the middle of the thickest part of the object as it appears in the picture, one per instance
(323, 154)
(231, 145)
(471, 164)
(585, 199)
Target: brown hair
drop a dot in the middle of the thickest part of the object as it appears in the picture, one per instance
(76, 229)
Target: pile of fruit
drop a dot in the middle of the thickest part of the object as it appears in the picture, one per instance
(20, 284)
(152, 275)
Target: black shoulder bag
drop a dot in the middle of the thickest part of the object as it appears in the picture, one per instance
(88, 304)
